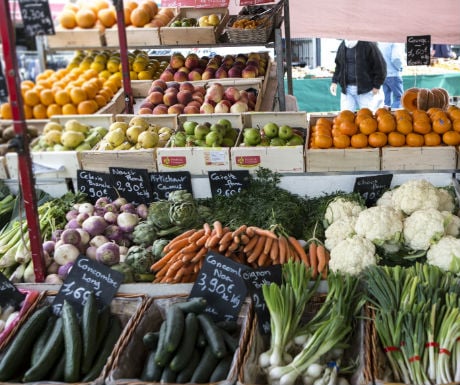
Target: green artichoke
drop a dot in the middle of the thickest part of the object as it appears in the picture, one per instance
(140, 259)
(144, 234)
(159, 214)
(126, 269)
(180, 196)
(157, 248)
(184, 214)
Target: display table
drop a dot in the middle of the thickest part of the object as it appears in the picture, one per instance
(313, 94)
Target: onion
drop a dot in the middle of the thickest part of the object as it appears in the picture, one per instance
(113, 233)
(48, 247)
(87, 208)
(127, 221)
(128, 208)
(120, 202)
(72, 214)
(73, 224)
(82, 217)
(142, 211)
(64, 270)
(94, 225)
(56, 235)
(71, 236)
(66, 253)
(110, 217)
(91, 252)
(108, 254)
(98, 240)
(53, 279)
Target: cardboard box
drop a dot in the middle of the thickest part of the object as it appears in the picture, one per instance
(194, 35)
(419, 158)
(77, 37)
(135, 37)
(276, 158)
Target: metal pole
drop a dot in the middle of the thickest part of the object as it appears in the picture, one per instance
(287, 42)
(21, 142)
(129, 100)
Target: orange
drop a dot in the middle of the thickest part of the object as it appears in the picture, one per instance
(386, 123)
(396, 139)
(323, 141)
(28, 114)
(111, 85)
(139, 17)
(31, 97)
(107, 16)
(364, 111)
(100, 100)
(77, 95)
(62, 97)
(87, 107)
(441, 125)
(341, 141)
(381, 112)
(377, 139)
(359, 141)
(404, 126)
(402, 114)
(127, 14)
(324, 121)
(454, 112)
(414, 140)
(368, 125)
(451, 138)
(345, 115)
(321, 130)
(348, 127)
(85, 18)
(46, 97)
(39, 111)
(456, 125)
(69, 109)
(53, 109)
(421, 126)
(420, 115)
(432, 139)
(28, 83)
(90, 90)
(5, 111)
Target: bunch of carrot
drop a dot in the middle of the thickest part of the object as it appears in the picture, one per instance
(249, 245)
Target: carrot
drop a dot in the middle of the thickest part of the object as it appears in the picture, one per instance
(262, 258)
(240, 230)
(258, 249)
(322, 259)
(207, 228)
(233, 246)
(174, 268)
(250, 231)
(283, 249)
(162, 272)
(299, 250)
(252, 243)
(223, 247)
(212, 241)
(183, 271)
(226, 238)
(197, 235)
(163, 261)
(268, 245)
(199, 255)
(203, 239)
(178, 244)
(190, 248)
(274, 251)
(187, 257)
(244, 239)
(182, 236)
(219, 229)
(265, 233)
(313, 255)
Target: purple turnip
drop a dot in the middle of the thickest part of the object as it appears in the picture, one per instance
(48, 247)
(108, 254)
(113, 233)
(98, 240)
(66, 253)
(72, 214)
(73, 224)
(119, 202)
(71, 237)
(110, 217)
(87, 208)
(128, 208)
(127, 221)
(64, 270)
(94, 225)
(56, 235)
(142, 211)
(91, 252)
(82, 217)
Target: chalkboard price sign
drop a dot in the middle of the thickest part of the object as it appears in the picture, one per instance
(220, 282)
(9, 294)
(418, 50)
(255, 279)
(133, 184)
(228, 183)
(88, 276)
(95, 185)
(164, 182)
(371, 188)
(36, 16)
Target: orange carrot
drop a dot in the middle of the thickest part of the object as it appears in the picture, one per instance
(163, 261)
(299, 250)
(313, 255)
(223, 247)
(177, 244)
(265, 233)
(240, 230)
(197, 235)
(322, 259)
(226, 238)
(233, 246)
(212, 241)
(183, 271)
(207, 228)
(268, 245)
(184, 235)
(262, 259)
(187, 257)
(258, 249)
(174, 268)
(274, 251)
(250, 231)
(219, 229)
(203, 239)
(252, 243)
(283, 249)
(244, 239)
(191, 247)
(199, 255)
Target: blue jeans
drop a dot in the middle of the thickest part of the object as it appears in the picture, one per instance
(353, 102)
(393, 90)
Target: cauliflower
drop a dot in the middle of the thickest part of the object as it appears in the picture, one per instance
(380, 224)
(445, 254)
(341, 207)
(385, 199)
(338, 231)
(423, 228)
(416, 194)
(451, 223)
(446, 200)
(352, 255)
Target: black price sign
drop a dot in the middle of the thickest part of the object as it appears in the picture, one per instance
(95, 185)
(228, 183)
(164, 182)
(36, 16)
(220, 282)
(418, 50)
(371, 188)
(133, 184)
(255, 279)
(88, 276)
(9, 294)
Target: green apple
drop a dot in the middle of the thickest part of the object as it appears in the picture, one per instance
(189, 127)
(226, 123)
(277, 142)
(228, 142)
(270, 130)
(201, 130)
(296, 140)
(218, 128)
(213, 138)
(251, 136)
(285, 132)
(179, 139)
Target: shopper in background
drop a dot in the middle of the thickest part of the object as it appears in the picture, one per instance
(443, 51)
(360, 70)
(394, 54)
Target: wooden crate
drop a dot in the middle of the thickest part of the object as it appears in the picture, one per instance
(419, 158)
(77, 37)
(96, 120)
(348, 159)
(194, 35)
(101, 160)
(116, 105)
(135, 37)
(3, 169)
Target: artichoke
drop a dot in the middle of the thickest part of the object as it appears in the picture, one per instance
(157, 248)
(140, 259)
(159, 214)
(184, 214)
(179, 196)
(126, 269)
(144, 234)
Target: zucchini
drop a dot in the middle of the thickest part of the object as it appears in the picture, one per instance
(186, 374)
(168, 376)
(206, 366)
(72, 343)
(151, 372)
(220, 373)
(162, 356)
(111, 338)
(150, 340)
(49, 356)
(230, 341)
(22, 343)
(213, 335)
(185, 349)
(174, 327)
(89, 332)
(192, 305)
(41, 340)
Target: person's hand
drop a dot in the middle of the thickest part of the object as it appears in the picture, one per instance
(375, 91)
(333, 89)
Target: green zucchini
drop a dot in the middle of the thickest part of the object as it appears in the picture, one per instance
(113, 333)
(151, 372)
(23, 342)
(185, 349)
(192, 305)
(72, 343)
(185, 374)
(162, 356)
(150, 340)
(168, 375)
(49, 356)
(206, 366)
(230, 341)
(220, 373)
(89, 331)
(213, 335)
(41, 340)
(175, 320)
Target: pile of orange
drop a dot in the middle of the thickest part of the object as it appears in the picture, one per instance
(363, 129)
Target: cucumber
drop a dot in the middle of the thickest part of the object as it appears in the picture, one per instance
(201, 339)
(41, 340)
(220, 373)
(229, 326)
(102, 326)
(192, 305)
(185, 350)
(113, 333)
(168, 376)
(174, 327)
(72, 343)
(213, 335)
(49, 356)
(206, 366)
(186, 374)
(150, 340)
(230, 341)
(57, 374)
(151, 372)
(23, 342)
(89, 331)
(162, 356)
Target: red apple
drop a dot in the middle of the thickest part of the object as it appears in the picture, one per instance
(194, 76)
(161, 109)
(200, 89)
(169, 98)
(167, 76)
(234, 72)
(215, 92)
(208, 74)
(192, 60)
(177, 60)
(197, 96)
(186, 86)
(155, 97)
(206, 108)
(244, 96)
(222, 107)
(195, 103)
(145, 111)
(147, 104)
(160, 83)
(176, 109)
(232, 94)
(191, 110)
(174, 84)
(180, 76)
(156, 88)
(239, 107)
(184, 69)
(249, 72)
(183, 97)
(203, 62)
(221, 73)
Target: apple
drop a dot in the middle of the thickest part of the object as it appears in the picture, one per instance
(226, 123)
(201, 130)
(221, 73)
(191, 60)
(153, 88)
(221, 107)
(213, 138)
(232, 134)
(189, 127)
(234, 72)
(160, 109)
(160, 83)
(167, 76)
(244, 97)
(277, 142)
(227, 142)
(232, 94)
(218, 128)
(147, 104)
(206, 108)
(195, 103)
(198, 97)
(176, 109)
(208, 74)
(155, 97)
(145, 111)
(194, 75)
(215, 93)
(295, 140)
(242, 58)
(187, 86)
(228, 59)
(184, 97)
(251, 136)
(173, 85)
(239, 107)
(270, 130)
(264, 141)
(184, 69)
(285, 132)
(191, 109)
(249, 72)
(177, 60)
(200, 89)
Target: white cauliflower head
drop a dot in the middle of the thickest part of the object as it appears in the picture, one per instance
(385, 199)
(338, 231)
(446, 200)
(380, 224)
(352, 255)
(341, 207)
(416, 194)
(445, 254)
(451, 223)
(423, 228)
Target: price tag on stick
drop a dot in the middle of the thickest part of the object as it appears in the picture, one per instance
(85, 276)
(95, 185)
(165, 182)
(9, 294)
(228, 183)
(371, 188)
(133, 184)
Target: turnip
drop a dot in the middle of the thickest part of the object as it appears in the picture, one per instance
(56, 235)
(98, 240)
(110, 217)
(125, 241)
(73, 224)
(58, 243)
(82, 217)
(66, 253)
(111, 208)
(64, 270)
(108, 254)
(85, 237)
(128, 208)
(87, 208)
(53, 279)
(47, 258)
(113, 233)
(101, 202)
(72, 214)
(71, 237)
(53, 268)
(127, 221)
(142, 211)
(48, 247)
(120, 201)
(94, 225)
(91, 252)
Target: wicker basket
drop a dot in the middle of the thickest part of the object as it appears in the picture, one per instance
(247, 36)
(275, 10)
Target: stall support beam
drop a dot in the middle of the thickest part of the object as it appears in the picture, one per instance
(280, 69)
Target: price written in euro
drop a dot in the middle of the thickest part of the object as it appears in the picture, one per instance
(215, 285)
(74, 292)
(94, 193)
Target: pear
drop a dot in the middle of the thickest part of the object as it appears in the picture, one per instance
(148, 139)
(123, 125)
(72, 139)
(133, 132)
(75, 125)
(115, 137)
(139, 121)
(52, 137)
(52, 126)
(102, 131)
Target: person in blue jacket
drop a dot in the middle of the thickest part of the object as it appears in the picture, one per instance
(360, 70)
(394, 55)
(443, 51)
